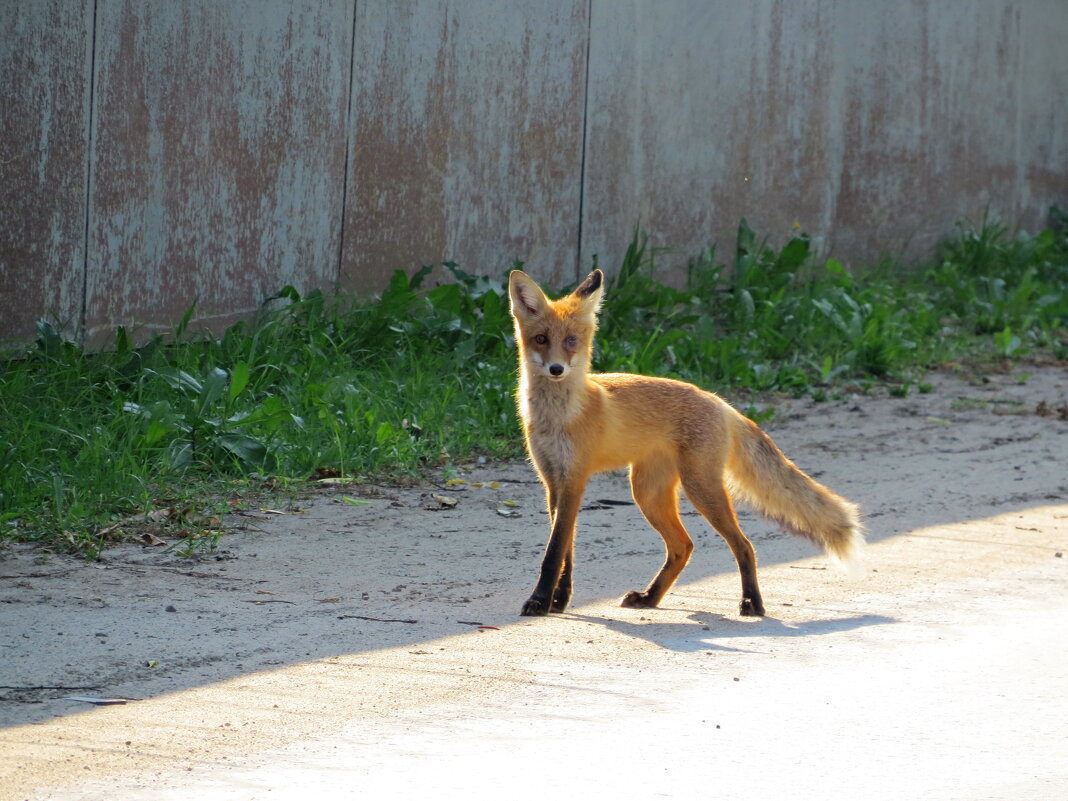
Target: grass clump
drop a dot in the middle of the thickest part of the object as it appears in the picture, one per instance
(779, 320)
(329, 385)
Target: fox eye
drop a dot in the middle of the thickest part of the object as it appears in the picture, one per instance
(541, 339)
(570, 341)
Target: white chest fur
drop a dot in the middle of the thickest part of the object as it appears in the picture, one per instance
(547, 409)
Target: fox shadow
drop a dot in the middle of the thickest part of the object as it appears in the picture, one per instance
(708, 631)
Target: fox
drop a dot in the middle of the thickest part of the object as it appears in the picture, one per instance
(668, 433)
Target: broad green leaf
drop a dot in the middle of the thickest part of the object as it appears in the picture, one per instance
(247, 450)
(238, 380)
(383, 433)
(180, 455)
(180, 379)
(213, 387)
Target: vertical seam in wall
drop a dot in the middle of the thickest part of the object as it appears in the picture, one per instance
(84, 311)
(348, 148)
(1021, 182)
(585, 124)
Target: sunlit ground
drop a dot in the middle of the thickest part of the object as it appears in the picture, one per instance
(941, 674)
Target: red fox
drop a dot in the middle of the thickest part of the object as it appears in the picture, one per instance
(578, 423)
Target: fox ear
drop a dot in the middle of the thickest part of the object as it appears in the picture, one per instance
(527, 298)
(591, 291)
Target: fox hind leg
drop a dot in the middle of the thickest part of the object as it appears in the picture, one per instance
(711, 499)
(655, 489)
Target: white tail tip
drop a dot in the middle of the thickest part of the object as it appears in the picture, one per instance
(851, 557)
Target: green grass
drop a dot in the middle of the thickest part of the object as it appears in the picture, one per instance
(322, 385)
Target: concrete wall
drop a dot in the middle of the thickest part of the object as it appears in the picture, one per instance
(45, 74)
(466, 137)
(876, 126)
(219, 145)
(154, 152)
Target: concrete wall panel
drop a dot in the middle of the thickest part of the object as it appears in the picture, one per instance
(1042, 91)
(874, 126)
(466, 137)
(45, 53)
(929, 114)
(703, 113)
(218, 155)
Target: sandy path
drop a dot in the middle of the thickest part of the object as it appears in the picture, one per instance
(338, 650)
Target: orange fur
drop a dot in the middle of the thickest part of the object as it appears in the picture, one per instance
(668, 433)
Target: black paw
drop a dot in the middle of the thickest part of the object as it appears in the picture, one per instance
(560, 601)
(637, 600)
(752, 607)
(535, 607)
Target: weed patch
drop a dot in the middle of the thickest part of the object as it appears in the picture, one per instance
(331, 385)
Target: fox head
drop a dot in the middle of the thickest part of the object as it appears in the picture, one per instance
(555, 338)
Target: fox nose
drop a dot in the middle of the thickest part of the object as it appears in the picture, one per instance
(556, 369)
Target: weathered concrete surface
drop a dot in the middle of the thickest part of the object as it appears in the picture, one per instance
(45, 51)
(928, 119)
(875, 127)
(237, 147)
(1043, 100)
(218, 156)
(466, 137)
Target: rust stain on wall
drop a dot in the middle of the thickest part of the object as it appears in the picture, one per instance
(466, 137)
(218, 155)
(45, 51)
(874, 127)
(929, 130)
(701, 114)
(1042, 95)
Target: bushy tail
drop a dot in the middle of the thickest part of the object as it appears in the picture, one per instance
(760, 474)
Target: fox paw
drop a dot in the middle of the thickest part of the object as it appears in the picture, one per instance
(752, 607)
(560, 602)
(534, 607)
(637, 600)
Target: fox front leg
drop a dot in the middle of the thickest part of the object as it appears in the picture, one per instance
(552, 593)
(562, 595)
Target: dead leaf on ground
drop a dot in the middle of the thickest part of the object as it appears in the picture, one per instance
(104, 533)
(1052, 412)
(436, 502)
(148, 538)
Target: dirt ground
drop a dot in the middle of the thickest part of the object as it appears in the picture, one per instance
(370, 640)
